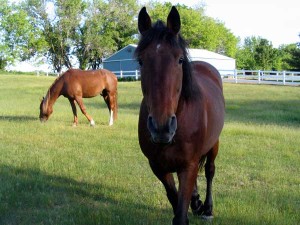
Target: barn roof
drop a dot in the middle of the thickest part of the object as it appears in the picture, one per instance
(130, 48)
(197, 54)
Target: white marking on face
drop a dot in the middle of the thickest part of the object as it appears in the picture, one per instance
(111, 120)
(157, 48)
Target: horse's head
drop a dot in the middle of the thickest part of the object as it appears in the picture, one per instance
(45, 111)
(162, 56)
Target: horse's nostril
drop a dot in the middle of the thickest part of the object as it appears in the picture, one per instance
(162, 133)
(172, 126)
(151, 124)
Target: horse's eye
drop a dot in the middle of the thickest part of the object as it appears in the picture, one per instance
(140, 62)
(181, 60)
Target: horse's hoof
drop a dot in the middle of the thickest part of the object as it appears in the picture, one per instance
(92, 123)
(197, 206)
(207, 217)
(74, 125)
(198, 211)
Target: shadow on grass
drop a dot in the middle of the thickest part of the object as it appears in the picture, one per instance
(283, 113)
(29, 196)
(19, 118)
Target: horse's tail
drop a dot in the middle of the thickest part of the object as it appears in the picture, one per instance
(116, 105)
(115, 86)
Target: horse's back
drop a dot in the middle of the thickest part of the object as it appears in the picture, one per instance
(90, 74)
(89, 83)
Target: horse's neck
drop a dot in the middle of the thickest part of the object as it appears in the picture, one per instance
(53, 93)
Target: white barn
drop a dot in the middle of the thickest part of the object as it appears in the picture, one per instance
(221, 62)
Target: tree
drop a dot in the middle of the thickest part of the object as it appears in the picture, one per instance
(58, 27)
(20, 40)
(199, 30)
(294, 61)
(109, 26)
(265, 55)
(257, 53)
(83, 29)
(294, 52)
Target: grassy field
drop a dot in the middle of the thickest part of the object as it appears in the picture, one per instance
(54, 173)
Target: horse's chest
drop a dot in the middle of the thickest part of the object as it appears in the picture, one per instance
(170, 158)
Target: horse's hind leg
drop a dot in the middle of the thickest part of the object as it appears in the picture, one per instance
(72, 102)
(110, 101)
(83, 110)
(209, 174)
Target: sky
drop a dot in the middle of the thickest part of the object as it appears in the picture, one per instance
(275, 20)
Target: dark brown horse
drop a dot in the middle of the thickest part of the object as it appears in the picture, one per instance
(76, 84)
(181, 114)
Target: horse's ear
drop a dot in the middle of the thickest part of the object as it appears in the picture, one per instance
(173, 21)
(144, 21)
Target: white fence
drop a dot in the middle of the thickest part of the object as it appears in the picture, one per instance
(261, 77)
(242, 76)
(125, 74)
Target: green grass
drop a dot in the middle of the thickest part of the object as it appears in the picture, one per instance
(54, 173)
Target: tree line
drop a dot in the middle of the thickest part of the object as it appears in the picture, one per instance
(258, 53)
(84, 32)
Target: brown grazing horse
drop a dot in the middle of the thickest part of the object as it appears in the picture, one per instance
(181, 114)
(76, 84)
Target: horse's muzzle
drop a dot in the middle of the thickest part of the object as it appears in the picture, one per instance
(162, 134)
(43, 119)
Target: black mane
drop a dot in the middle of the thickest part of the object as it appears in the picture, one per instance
(159, 32)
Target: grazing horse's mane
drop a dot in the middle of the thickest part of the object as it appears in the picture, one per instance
(159, 32)
(57, 79)
(46, 98)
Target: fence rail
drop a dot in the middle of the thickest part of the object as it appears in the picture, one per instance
(261, 77)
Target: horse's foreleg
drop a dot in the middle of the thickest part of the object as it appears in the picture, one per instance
(196, 203)
(83, 110)
(72, 102)
(187, 179)
(209, 174)
(167, 180)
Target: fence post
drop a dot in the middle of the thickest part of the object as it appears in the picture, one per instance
(259, 76)
(136, 75)
(121, 74)
(283, 77)
(235, 75)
